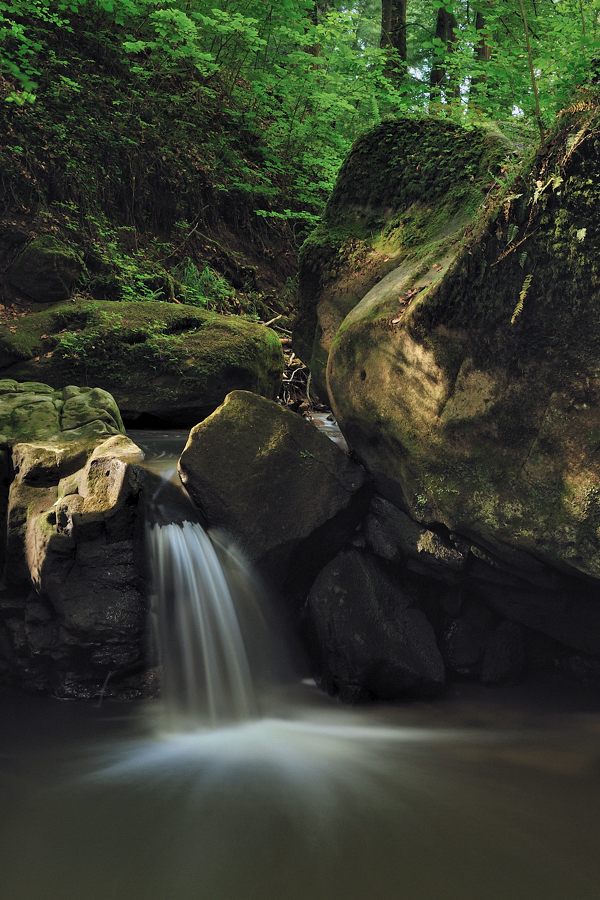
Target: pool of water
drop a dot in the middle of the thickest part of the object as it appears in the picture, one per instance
(481, 795)
(484, 794)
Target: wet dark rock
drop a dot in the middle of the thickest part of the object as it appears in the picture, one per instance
(465, 639)
(584, 669)
(504, 657)
(367, 639)
(394, 536)
(570, 616)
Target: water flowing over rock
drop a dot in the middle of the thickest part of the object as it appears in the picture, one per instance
(276, 484)
(72, 610)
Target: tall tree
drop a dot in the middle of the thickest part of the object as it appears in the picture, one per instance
(444, 86)
(319, 11)
(483, 54)
(393, 36)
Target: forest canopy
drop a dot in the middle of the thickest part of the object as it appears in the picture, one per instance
(311, 75)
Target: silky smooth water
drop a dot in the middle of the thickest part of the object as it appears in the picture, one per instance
(206, 671)
(483, 794)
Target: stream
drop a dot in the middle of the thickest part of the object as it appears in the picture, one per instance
(485, 794)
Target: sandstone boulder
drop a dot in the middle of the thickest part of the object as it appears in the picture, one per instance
(286, 492)
(394, 223)
(471, 391)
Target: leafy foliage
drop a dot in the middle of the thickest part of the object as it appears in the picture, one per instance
(306, 76)
(205, 287)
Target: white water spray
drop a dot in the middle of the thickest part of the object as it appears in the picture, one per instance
(206, 676)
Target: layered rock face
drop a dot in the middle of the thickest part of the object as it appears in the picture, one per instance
(72, 608)
(465, 378)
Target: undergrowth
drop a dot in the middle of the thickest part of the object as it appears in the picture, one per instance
(147, 174)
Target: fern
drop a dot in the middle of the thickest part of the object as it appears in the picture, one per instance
(519, 307)
(512, 232)
(522, 259)
(574, 141)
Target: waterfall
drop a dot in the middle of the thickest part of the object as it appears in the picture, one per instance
(216, 646)
(206, 675)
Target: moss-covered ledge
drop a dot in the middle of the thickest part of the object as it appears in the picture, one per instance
(170, 362)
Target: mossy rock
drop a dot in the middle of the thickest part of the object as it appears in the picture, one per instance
(47, 270)
(401, 204)
(163, 362)
(477, 405)
(32, 411)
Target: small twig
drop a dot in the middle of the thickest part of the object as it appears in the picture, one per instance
(270, 322)
(104, 686)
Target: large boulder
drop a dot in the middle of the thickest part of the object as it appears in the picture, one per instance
(47, 270)
(163, 362)
(472, 393)
(368, 639)
(399, 210)
(72, 610)
(286, 492)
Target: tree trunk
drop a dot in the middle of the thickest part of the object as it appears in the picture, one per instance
(319, 10)
(393, 36)
(443, 88)
(483, 53)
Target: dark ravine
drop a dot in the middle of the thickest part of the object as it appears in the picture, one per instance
(459, 539)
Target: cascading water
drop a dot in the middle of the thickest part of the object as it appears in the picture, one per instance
(238, 793)
(205, 670)
(215, 647)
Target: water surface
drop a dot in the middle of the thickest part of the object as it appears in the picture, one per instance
(486, 794)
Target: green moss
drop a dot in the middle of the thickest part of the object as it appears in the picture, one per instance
(404, 161)
(151, 347)
(540, 231)
(406, 195)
